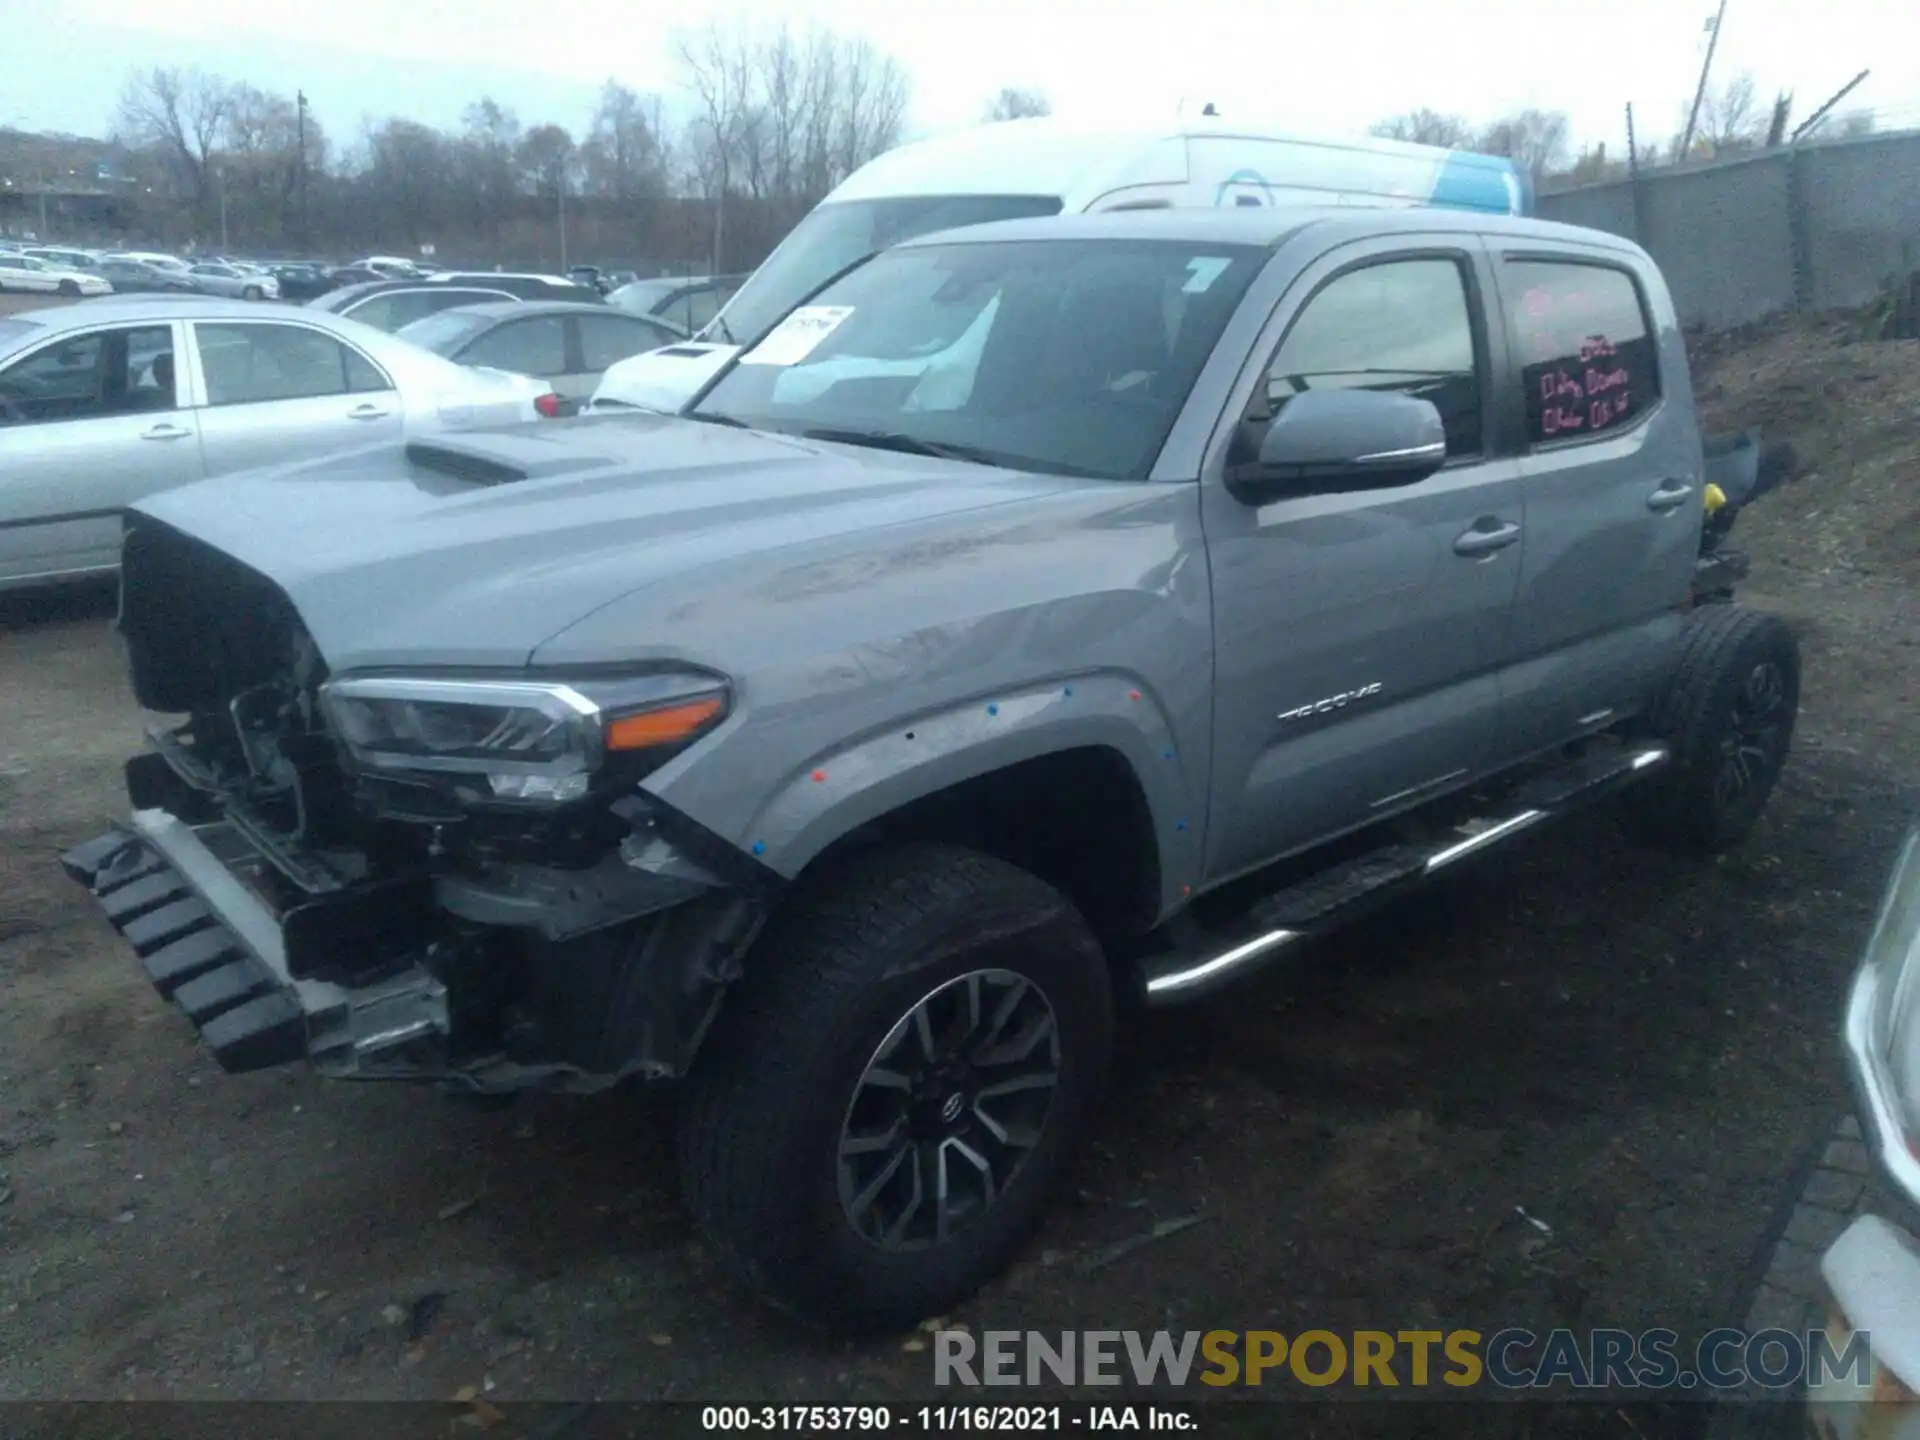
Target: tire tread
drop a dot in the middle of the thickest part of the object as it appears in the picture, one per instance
(1683, 715)
(821, 951)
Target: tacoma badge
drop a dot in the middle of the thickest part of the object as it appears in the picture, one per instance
(1331, 703)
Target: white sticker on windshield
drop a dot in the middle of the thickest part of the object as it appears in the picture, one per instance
(793, 339)
(1202, 271)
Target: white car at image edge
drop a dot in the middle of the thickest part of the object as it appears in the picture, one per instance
(1871, 1274)
(24, 274)
(105, 403)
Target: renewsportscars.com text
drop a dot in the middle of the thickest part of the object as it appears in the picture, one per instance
(1510, 1359)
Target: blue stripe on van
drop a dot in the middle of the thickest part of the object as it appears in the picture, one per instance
(1480, 182)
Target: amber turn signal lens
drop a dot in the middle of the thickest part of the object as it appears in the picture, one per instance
(665, 726)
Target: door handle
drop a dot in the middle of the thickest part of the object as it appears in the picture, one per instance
(367, 412)
(1479, 543)
(1670, 496)
(165, 432)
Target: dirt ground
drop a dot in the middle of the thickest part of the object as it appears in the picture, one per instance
(1637, 1051)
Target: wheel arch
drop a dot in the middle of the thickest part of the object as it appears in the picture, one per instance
(1078, 782)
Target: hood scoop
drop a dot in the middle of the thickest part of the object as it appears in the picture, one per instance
(500, 459)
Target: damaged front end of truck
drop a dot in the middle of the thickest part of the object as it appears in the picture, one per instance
(444, 877)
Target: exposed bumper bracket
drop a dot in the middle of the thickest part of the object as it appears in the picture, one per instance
(214, 948)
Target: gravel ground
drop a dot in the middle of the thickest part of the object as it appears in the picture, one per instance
(1637, 1051)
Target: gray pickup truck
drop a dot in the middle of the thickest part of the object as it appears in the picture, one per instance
(1045, 618)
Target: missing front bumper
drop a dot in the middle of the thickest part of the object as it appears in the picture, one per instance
(215, 949)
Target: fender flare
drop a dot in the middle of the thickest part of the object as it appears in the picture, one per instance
(873, 775)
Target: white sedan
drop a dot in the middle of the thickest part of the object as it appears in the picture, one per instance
(24, 273)
(107, 402)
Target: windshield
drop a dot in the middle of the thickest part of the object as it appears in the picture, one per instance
(442, 332)
(834, 236)
(1068, 356)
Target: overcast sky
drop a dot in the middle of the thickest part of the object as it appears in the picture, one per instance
(1315, 65)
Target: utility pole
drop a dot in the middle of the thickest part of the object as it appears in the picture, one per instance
(220, 176)
(561, 189)
(46, 236)
(300, 99)
(1821, 114)
(1633, 178)
(1699, 94)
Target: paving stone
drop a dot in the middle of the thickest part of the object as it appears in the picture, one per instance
(1795, 1269)
(1849, 1156)
(1776, 1309)
(1834, 1189)
(1816, 1226)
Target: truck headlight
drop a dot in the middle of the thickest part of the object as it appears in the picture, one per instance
(521, 741)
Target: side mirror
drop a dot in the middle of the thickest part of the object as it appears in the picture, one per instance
(1335, 440)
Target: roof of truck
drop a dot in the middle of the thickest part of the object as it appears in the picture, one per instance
(1266, 226)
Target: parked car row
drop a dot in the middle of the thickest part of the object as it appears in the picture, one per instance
(109, 400)
(106, 402)
(32, 275)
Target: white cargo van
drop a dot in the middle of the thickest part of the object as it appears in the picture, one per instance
(1047, 166)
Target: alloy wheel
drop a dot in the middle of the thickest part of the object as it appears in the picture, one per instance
(1755, 736)
(947, 1109)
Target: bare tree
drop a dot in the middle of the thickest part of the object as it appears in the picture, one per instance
(261, 165)
(873, 94)
(545, 157)
(486, 159)
(716, 65)
(781, 119)
(1014, 103)
(624, 156)
(1535, 140)
(781, 114)
(1730, 118)
(1426, 127)
(180, 114)
(406, 178)
(1591, 166)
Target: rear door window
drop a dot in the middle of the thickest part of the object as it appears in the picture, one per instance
(535, 346)
(250, 363)
(1588, 359)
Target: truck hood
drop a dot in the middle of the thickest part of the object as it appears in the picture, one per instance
(473, 549)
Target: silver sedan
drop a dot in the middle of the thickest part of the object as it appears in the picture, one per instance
(234, 282)
(107, 401)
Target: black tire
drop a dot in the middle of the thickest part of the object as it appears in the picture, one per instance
(69, 289)
(1727, 715)
(252, 292)
(769, 1120)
